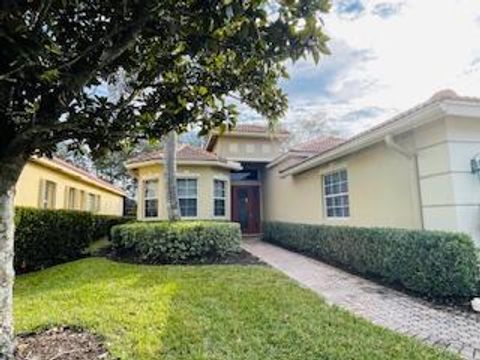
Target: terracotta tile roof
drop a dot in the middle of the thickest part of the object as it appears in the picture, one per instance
(65, 164)
(319, 144)
(257, 128)
(184, 152)
(442, 95)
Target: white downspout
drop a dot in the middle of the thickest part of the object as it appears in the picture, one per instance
(392, 144)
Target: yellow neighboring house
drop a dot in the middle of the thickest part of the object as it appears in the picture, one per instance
(56, 184)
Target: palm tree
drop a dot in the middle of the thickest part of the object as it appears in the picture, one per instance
(173, 207)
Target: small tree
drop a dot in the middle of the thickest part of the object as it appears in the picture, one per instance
(180, 60)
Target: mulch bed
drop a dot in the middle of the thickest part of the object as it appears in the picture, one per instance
(61, 343)
(241, 258)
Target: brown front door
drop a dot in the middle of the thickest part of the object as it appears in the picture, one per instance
(246, 208)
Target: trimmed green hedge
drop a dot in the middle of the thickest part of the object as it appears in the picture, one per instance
(177, 243)
(47, 237)
(436, 264)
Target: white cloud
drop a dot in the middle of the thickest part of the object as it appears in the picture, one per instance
(420, 47)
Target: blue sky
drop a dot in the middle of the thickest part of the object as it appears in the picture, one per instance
(387, 56)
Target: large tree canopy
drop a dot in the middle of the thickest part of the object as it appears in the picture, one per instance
(178, 62)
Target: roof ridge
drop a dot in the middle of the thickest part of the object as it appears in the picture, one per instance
(84, 172)
(446, 95)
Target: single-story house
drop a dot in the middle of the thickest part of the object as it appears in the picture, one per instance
(417, 170)
(57, 184)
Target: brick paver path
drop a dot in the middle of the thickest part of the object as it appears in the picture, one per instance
(455, 330)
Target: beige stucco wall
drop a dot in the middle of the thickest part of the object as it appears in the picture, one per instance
(240, 148)
(382, 191)
(28, 190)
(450, 193)
(205, 176)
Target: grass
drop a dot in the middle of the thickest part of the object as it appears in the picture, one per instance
(98, 246)
(201, 312)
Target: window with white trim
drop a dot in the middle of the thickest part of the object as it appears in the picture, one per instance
(335, 190)
(91, 202)
(150, 198)
(49, 195)
(72, 198)
(187, 196)
(219, 197)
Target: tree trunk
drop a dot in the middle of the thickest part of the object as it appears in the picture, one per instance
(9, 173)
(170, 154)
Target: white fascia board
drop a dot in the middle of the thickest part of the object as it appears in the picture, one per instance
(287, 155)
(76, 175)
(253, 135)
(461, 108)
(409, 121)
(227, 165)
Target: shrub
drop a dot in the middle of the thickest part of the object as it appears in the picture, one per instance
(47, 237)
(103, 224)
(432, 263)
(179, 242)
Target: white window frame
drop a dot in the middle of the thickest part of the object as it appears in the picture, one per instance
(145, 198)
(224, 198)
(98, 203)
(249, 148)
(266, 148)
(233, 147)
(45, 197)
(71, 198)
(188, 177)
(91, 202)
(82, 200)
(333, 196)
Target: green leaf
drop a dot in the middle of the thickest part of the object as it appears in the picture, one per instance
(50, 75)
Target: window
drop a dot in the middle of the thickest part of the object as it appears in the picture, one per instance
(250, 148)
(187, 197)
(233, 147)
(91, 202)
(219, 197)
(97, 204)
(83, 202)
(150, 198)
(49, 195)
(335, 190)
(72, 194)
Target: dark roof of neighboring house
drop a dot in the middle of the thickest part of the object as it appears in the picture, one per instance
(438, 97)
(184, 152)
(82, 172)
(319, 144)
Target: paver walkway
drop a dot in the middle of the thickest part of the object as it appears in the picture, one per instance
(452, 329)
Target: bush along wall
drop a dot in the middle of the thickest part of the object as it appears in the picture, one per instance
(438, 265)
(47, 237)
(176, 243)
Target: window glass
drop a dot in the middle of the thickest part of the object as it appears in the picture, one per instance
(335, 190)
(91, 202)
(219, 197)
(187, 197)
(72, 194)
(150, 198)
(49, 195)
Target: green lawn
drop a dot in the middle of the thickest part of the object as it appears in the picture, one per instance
(201, 312)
